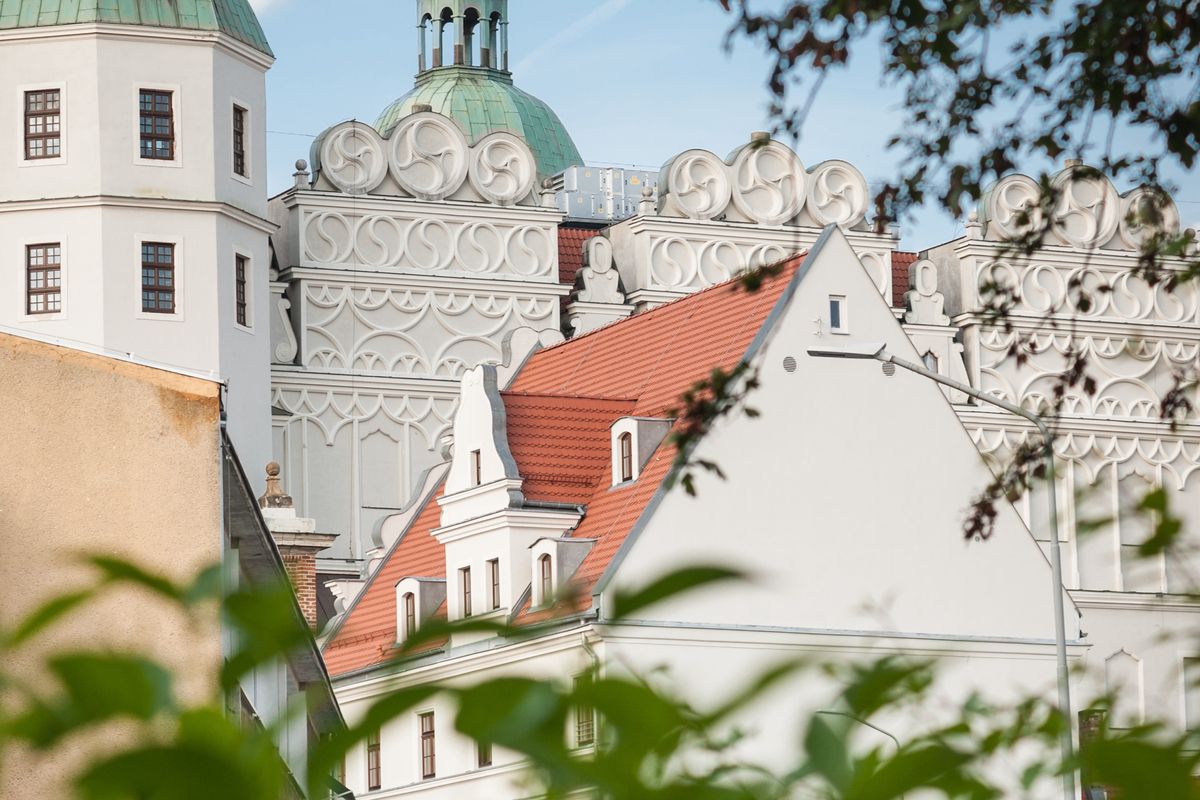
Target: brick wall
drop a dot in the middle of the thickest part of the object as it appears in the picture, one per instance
(302, 570)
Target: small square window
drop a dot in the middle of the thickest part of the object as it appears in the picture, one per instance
(837, 314)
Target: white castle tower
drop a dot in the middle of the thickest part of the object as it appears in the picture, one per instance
(133, 187)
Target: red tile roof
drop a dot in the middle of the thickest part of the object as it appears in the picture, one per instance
(559, 412)
(561, 444)
(369, 632)
(900, 264)
(570, 250)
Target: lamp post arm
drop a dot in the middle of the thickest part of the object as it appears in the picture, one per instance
(1066, 741)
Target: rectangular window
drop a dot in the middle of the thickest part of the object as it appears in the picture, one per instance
(476, 468)
(1191, 693)
(158, 277)
(43, 124)
(428, 747)
(373, 761)
(464, 577)
(239, 141)
(156, 123)
(837, 314)
(241, 264)
(483, 754)
(494, 583)
(43, 278)
(585, 716)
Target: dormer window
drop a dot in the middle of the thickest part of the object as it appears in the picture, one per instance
(625, 444)
(634, 440)
(416, 600)
(409, 603)
(545, 579)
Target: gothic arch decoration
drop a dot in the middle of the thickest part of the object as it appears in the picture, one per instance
(1124, 682)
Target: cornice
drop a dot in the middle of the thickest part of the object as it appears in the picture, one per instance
(1071, 325)
(496, 285)
(751, 232)
(1057, 254)
(554, 521)
(163, 203)
(107, 30)
(1133, 601)
(998, 419)
(292, 377)
(446, 210)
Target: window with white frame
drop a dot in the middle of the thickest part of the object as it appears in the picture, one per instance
(493, 566)
(545, 578)
(837, 314)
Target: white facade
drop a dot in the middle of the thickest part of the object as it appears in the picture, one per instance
(100, 200)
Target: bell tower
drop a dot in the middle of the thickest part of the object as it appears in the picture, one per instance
(464, 33)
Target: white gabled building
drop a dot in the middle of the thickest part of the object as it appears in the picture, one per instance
(133, 187)
(560, 482)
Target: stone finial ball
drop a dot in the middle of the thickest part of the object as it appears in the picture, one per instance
(647, 192)
(273, 469)
(301, 165)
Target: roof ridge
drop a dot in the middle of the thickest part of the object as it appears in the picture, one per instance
(672, 303)
(560, 396)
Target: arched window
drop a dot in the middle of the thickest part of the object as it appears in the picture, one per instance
(426, 43)
(410, 614)
(490, 51)
(445, 38)
(625, 442)
(471, 36)
(546, 575)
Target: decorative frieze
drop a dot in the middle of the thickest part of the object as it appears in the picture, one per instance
(1088, 212)
(412, 331)
(763, 183)
(427, 157)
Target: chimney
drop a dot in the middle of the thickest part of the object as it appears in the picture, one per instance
(297, 540)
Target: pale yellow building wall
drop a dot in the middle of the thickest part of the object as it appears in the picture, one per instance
(103, 456)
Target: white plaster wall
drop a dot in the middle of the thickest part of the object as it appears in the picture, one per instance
(1158, 634)
(845, 498)
(103, 201)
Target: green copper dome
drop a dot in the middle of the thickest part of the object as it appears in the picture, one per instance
(234, 17)
(483, 100)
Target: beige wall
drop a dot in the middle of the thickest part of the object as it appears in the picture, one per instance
(102, 456)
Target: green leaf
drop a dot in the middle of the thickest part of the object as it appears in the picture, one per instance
(116, 570)
(100, 686)
(43, 616)
(828, 757)
(687, 579)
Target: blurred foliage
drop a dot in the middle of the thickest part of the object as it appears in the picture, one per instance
(650, 742)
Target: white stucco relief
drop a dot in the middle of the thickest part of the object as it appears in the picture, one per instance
(412, 332)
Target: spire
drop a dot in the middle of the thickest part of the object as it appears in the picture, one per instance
(467, 33)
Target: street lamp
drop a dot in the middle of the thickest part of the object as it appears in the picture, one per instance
(878, 352)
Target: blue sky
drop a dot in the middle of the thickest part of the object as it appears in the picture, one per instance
(634, 81)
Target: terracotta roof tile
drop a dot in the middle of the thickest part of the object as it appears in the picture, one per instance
(570, 250)
(559, 411)
(369, 632)
(900, 264)
(561, 444)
